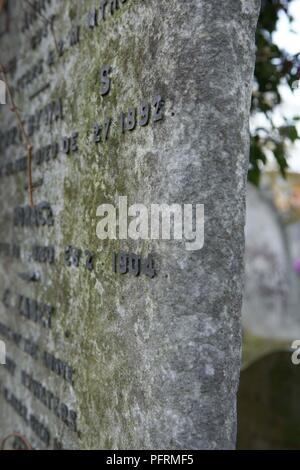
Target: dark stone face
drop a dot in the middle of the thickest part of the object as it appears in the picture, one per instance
(268, 411)
(123, 343)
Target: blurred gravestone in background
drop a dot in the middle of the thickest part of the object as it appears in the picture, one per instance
(271, 316)
(268, 398)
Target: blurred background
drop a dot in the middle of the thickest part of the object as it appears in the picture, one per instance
(269, 393)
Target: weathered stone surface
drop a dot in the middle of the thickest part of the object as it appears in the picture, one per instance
(271, 302)
(156, 360)
(270, 314)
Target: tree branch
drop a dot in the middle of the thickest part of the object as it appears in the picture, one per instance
(25, 137)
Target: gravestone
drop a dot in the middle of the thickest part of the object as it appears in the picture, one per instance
(271, 299)
(269, 382)
(122, 343)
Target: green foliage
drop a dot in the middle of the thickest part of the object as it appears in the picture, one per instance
(274, 66)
